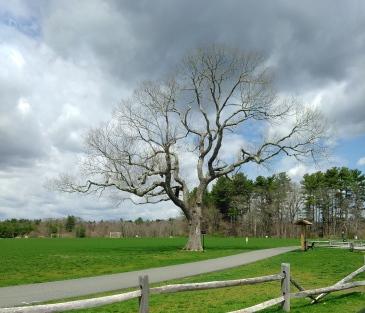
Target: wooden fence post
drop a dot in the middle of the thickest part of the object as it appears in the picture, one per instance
(285, 287)
(143, 299)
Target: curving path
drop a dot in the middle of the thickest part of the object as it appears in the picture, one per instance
(25, 294)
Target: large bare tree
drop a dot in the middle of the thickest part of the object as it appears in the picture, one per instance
(216, 92)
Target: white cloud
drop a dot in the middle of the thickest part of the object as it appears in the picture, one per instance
(17, 58)
(342, 107)
(65, 64)
(361, 162)
(23, 106)
(297, 172)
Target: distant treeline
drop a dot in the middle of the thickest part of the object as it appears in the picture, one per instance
(17, 228)
(237, 206)
(75, 227)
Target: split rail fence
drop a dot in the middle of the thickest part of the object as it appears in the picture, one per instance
(352, 244)
(144, 292)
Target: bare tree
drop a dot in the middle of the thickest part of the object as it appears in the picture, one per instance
(216, 92)
(294, 207)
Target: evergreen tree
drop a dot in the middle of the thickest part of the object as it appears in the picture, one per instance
(70, 223)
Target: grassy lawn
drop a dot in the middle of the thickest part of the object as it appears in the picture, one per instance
(27, 261)
(312, 269)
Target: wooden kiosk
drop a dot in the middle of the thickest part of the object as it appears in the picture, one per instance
(303, 233)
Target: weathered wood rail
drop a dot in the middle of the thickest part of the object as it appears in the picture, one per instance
(145, 291)
(338, 243)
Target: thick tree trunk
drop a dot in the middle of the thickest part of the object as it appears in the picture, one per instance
(194, 241)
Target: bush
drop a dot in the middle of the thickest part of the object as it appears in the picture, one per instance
(81, 232)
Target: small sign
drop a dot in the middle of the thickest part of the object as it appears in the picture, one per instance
(203, 232)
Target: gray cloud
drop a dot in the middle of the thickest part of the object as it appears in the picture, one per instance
(65, 64)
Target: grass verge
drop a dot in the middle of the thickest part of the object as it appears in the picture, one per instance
(313, 269)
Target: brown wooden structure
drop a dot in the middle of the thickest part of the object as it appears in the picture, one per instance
(303, 233)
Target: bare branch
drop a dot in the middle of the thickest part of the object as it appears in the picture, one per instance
(216, 91)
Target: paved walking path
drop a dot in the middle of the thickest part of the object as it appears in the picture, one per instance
(25, 294)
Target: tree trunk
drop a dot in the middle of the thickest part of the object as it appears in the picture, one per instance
(194, 242)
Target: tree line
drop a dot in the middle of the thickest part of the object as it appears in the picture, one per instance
(269, 206)
(72, 227)
(237, 206)
(334, 201)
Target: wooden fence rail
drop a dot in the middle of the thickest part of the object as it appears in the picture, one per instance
(337, 243)
(74, 305)
(144, 292)
(214, 284)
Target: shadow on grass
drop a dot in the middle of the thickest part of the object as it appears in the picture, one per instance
(333, 302)
(296, 251)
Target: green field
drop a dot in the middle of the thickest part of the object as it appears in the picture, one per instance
(313, 269)
(26, 261)
(35, 260)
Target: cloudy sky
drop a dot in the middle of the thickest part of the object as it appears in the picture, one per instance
(65, 64)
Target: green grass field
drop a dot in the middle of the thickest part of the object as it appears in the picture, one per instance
(35, 260)
(26, 261)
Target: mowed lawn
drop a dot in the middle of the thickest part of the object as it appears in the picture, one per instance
(312, 269)
(27, 261)
(37, 260)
